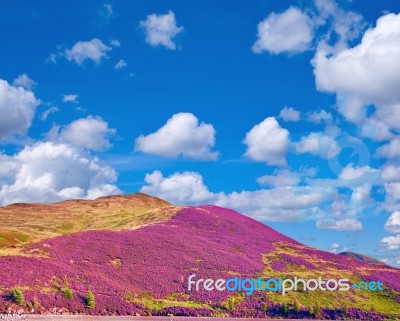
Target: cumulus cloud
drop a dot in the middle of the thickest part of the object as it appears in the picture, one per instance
(346, 25)
(160, 30)
(17, 109)
(319, 117)
(375, 129)
(92, 133)
(366, 73)
(392, 225)
(24, 81)
(345, 224)
(390, 150)
(350, 172)
(290, 31)
(392, 190)
(180, 188)
(181, 135)
(267, 142)
(289, 114)
(285, 177)
(319, 144)
(390, 173)
(391, 243)
(276, 204)
(94, 50)
(50, 172)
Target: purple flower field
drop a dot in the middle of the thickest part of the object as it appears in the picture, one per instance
(155, 261)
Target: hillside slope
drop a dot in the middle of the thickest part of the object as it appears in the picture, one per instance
(22, 224)
(144, 271)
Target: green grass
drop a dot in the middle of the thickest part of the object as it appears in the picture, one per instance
(150, 302)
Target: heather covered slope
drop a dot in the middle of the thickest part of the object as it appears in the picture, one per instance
(145, 271)
(22, 224)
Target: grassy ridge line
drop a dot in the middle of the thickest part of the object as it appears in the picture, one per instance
(23, 224)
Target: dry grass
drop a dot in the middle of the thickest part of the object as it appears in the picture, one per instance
(22, 224)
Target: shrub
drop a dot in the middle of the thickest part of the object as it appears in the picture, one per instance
(90, 302)
(285, 308)
(67, 293)
(18, 297)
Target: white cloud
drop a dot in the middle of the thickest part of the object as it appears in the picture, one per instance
(94, 50)
(319, 117)
(160, 30)
(180, 188)
(352, 177)
(365, 74)
(120, 64)
(334, 247)
(70, 98)
(181, 135)
(345, 224)
(277, 204)
(376, 129)
(289, 114)
(337, 248)
(390, 150)
(285, 177)
(351, 173)
(319, 144)
(17, 108)
(290, 31)
(49, 111)
(346, 25)
(392, 225)
(91, 133)
(390, 173)
(24, 81)
(391, 243)
(49, 172)
(282, 177)
(115, 43)
(361, 194)
(267, 142)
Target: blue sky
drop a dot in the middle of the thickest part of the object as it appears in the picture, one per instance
(286, 111)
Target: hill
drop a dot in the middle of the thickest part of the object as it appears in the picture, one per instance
(361, 257)
(22, 224)
(145, 270)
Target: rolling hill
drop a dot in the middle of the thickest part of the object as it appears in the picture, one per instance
(135, 254)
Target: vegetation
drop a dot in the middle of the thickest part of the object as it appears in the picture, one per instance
(285, 308)
(90, 302)
(67, 293)
(18, 297)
